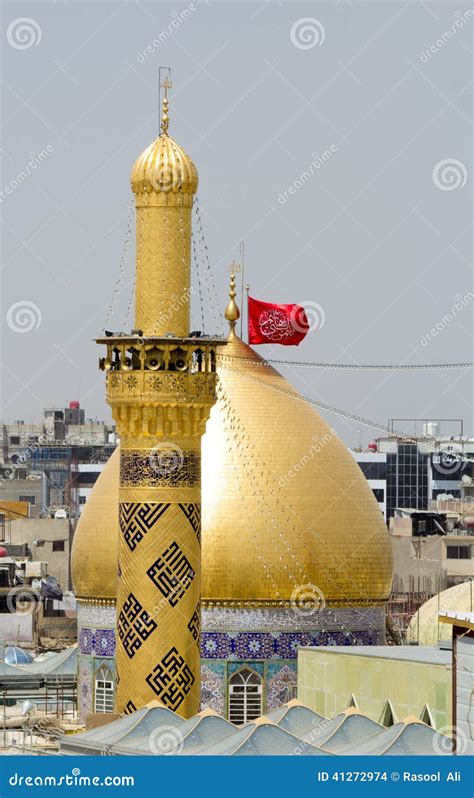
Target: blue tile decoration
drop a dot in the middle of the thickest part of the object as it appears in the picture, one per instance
(258, 645)
(235, 666)
(86, 641)
(100, 642)
(215, 645)
(288, 642)
(280, 685)
(104, 642)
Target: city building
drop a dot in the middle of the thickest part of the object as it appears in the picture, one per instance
(53, 464)
(271, 555)
(415, 470)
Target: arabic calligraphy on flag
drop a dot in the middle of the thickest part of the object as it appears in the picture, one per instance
(270, 323)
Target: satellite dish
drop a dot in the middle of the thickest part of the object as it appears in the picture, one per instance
(466, 479)
(27, 707)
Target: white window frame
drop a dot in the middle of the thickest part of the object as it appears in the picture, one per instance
(104, 690)
(245, 694)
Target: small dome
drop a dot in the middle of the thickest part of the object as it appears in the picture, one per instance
(95, 545)
(17, 656)
(425, 627)
(164, 168)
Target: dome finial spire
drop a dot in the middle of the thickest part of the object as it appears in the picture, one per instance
(167, 84)
(232, 312)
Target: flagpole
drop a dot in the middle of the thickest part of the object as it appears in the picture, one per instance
(242, 267)
(247, 288)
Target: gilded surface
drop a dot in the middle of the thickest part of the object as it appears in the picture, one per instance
(163, 169)
(284, 503)
(94, 547)
(158, 590)
(199, 387)
(253, 551)
(163, 284)
(159, 468)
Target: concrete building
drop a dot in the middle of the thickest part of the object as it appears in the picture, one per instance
(45, 539)
(414, 470)
(430, 564)
(386, 683)
(63, 455)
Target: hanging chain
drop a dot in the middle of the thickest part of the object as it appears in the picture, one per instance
(123, 260)
(247, 460)
(336, 411)
(196, 269)
(357, 366)
(209, 274)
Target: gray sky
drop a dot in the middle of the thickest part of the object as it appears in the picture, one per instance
(379, 235)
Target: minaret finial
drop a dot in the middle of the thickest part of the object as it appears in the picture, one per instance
(232, 312)
(167, 84)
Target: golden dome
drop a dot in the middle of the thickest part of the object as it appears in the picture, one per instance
(424, 627)
(164, 167)
(95, 544)
(286, 509)
(285, 506)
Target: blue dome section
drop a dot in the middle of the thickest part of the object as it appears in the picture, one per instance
(17, 656)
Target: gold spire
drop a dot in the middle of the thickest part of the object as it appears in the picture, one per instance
(232, 312)
(167, 84)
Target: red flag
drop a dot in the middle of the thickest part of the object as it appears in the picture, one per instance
(276, 324)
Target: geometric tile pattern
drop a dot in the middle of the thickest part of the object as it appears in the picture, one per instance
(172, 573)
(137, 518)
(193, 514)
(97, 641)
(265, 645)
(171, 679)
(134, 625)
(130, 707)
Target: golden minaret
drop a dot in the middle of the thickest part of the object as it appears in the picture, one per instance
(160, 386)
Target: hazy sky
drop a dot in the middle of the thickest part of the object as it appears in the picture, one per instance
(378, 236)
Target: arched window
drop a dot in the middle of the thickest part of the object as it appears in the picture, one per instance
(104, 690)
(245, 696)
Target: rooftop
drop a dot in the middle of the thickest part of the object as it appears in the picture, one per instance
(428, 655)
